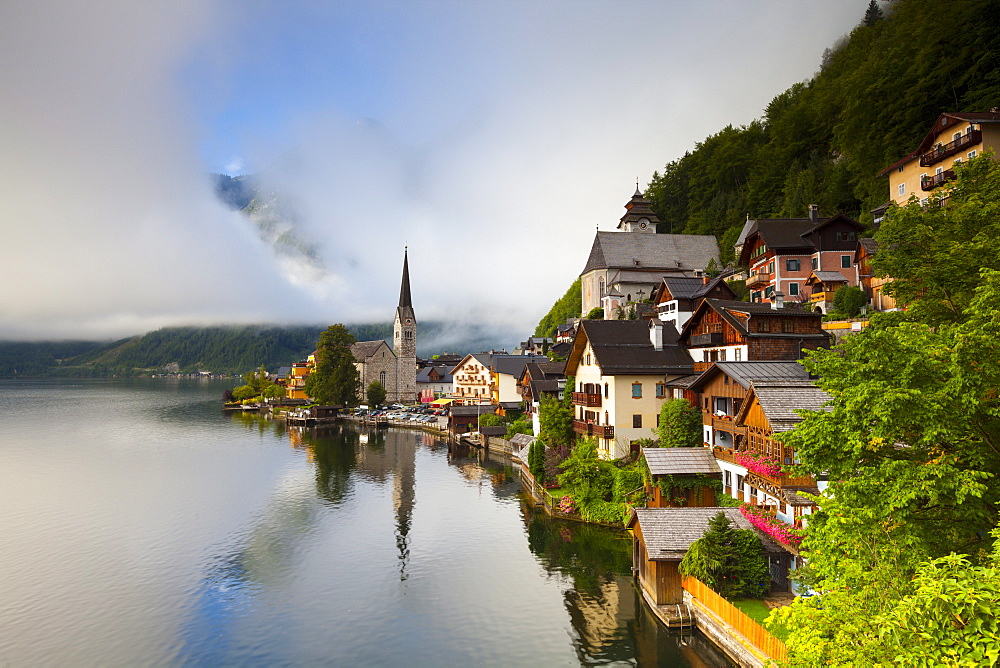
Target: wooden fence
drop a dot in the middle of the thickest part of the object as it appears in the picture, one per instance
(736, 618)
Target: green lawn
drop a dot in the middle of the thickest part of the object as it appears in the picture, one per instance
(758, 611)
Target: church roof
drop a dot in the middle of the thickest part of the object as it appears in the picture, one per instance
(404, 288)
(636, 208)
(667, 253)
(362, 350)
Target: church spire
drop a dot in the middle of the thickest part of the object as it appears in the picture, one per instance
(404, 288)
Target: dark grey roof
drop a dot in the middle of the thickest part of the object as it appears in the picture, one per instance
(466, 411)
(669, 532)
(632, 276)
(829, 276)
(793, 498)
(522, 440)
(780, 400)
(404, 287)
(498, 430)
(663, 252)
(746, 373)
(545, 370)
(540, 387)
(423, 375)
(681, 287)
(513, 365)
(869, 244)
(362, 350)
(726, 308)
(682, 382)
(678, 461)
(624, 347)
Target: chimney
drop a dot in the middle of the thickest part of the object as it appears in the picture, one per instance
(814, 213)
(656, 333)
(778, 301)
(705, 278)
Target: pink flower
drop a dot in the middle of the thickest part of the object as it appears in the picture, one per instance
(771, 526)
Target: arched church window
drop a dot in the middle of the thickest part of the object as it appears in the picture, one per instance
(381, 378)
(602, 286)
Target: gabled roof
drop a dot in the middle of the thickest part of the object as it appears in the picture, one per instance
(680, 461)
(362, 350)
(940, 124)
(727, 309)
(780, 399)
(486, 359)
(513, 365)
(826, 222)
(826, 277)
(637, 208)
(623, 347)
(870, 246)
(669, 532)
(778, 233)
(654, 252)
(745, 373)
(424, 375)
(682, 287)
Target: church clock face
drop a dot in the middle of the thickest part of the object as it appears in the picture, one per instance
(409, 322)
(643, 223)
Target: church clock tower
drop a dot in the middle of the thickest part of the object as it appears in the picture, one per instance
(404, 341)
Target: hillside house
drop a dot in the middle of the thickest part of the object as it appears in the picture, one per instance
(874, 286)
(620, 367)
(727, 331)
(536, 381)
(678, 297)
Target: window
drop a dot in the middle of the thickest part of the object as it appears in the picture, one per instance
(845, 261)
(722, 355)
(792, 265)
(729, 478)
(755, 296)
(637, 390)
(738, 354)
(847, 236)
(787, 325)
(605, 390)
(381, 380)
(815, 263)
(938, 171)
(770, 267)
(971, 155)
(637, 421)
(661, 390)
(957, 136)
(793, 289)
(901, 189)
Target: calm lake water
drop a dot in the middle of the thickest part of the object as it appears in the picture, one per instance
(139, 525)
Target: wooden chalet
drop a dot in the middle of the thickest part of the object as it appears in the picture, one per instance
(692, 464)
(726, 331)
(822, 286)
(873, 285)
(677, 297)
(660, 539)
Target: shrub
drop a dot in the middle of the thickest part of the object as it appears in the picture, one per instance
(849, 299)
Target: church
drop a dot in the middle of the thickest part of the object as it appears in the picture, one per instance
(396, 367)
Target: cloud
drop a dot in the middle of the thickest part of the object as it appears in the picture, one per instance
(491, 138)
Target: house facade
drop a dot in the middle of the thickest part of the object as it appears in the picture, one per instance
(620, 368)
(727, 331)
(953, 138)
(874, 286)
(471, 379)
(677, 297)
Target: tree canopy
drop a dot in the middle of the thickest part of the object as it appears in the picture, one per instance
(335, 378)
(679, 425)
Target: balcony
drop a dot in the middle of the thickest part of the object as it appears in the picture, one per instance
(932, 182)
(588, 399)
(727, 423)
(724, 454)
(710, 339)
(758, 279)
(590, 429)
(939, 153)
(821, 297)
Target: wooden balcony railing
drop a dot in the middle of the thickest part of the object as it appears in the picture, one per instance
(590, 429)
(710, 339)
(724, 454)
(932, 182)
(821, 297)
(758, 279)
(723, 423)
(586, 399)
(939, 153)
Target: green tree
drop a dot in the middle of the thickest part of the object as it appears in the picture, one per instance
(375, 394)
(849, 299)
(911, 444)
(521, 425)
(536, 461)
(491, 420)
(873, 14)
(591, 477)
(555, 420)
(596, 313)
(568, 306)
(680, 425)
(335, 378)
(729, 560)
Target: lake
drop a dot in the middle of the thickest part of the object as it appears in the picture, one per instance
(140, 525)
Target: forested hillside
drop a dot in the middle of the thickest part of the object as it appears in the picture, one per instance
(824, 141)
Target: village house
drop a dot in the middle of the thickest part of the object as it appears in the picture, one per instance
(677, 297)
(504, 372)
(660, 539)
(631, 262)
(471, 379)
(721, 331)
(681, 477)
(782, 254)
(535, 345)
(951, 139)
(620, 368)
(433, 382)
(539, 379)
(874, 286)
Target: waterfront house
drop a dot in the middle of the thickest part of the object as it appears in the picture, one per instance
(681, 477)
(433, 382)
(504, 372)
(635, 258)
(953, 138)
(728, 331)
(471, 378)
(677, 297)
(620, 369)
(539, 379)
(464, 419)
(660, 539)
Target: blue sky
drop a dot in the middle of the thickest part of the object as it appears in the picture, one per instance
(491, 137)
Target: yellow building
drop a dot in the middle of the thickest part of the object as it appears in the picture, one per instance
(295, 382)
(620, 369)
(952, 139)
